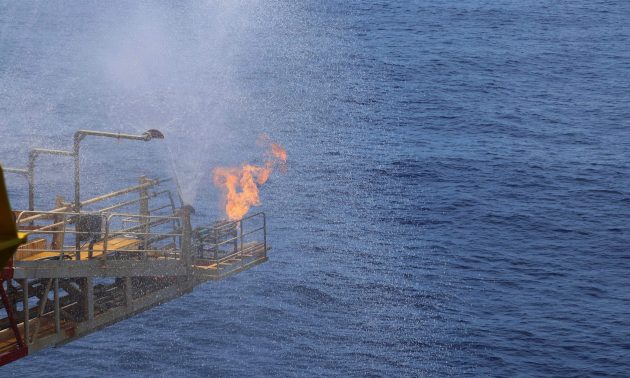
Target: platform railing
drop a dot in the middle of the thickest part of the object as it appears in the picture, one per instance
(234, 241)
(57, 239)
(147, 236)
(146, 185)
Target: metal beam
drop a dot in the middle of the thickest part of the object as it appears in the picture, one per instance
(114, 315)
(95, 268)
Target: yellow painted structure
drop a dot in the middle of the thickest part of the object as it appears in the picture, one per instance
(10, 239)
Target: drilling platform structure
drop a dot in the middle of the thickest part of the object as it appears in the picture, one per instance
(93, 262)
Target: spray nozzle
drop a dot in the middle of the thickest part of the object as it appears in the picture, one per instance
(186, 210)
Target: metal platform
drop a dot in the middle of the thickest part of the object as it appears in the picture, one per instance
(123, 253)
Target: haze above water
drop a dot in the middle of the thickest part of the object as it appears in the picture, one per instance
(457, 196)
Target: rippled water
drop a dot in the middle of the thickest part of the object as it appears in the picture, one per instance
(457, 200)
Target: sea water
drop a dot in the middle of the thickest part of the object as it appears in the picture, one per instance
(456, 201)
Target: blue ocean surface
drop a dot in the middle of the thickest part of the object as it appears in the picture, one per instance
(457, 199)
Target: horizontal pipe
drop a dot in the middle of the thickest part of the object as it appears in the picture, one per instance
(99, 213)
(37, 151)
(82, 133)
(42, 215)
(123, 204)
(61, 210)
(160, 208)
(20, 171)
(43, 228)
(131, 202)
(124, 191)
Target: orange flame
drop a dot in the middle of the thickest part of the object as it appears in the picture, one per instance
(279, 152)
(241, 184)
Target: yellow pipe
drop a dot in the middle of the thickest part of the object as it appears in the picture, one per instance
(10, 239)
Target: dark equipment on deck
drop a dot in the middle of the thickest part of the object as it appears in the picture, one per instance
(89, 228)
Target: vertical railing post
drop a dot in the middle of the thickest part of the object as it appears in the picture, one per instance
(241, 235)
(216, 240)
(63, 236)
(144, 212)
(57, 242)
(240, 253)
(108, 219)
(234, 234)
(264, 232)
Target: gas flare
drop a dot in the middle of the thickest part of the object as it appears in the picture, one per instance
(241, 184)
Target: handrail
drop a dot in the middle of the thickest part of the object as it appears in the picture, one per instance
(233, 222)
(20, 171)
(149, 184)
(104, 238)
(91, 201)
(230, 233)
(240, 236)
(152, 220)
